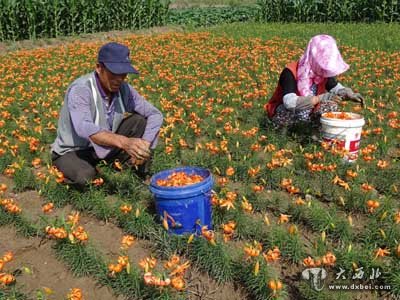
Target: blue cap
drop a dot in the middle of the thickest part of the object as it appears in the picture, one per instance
(115, 58)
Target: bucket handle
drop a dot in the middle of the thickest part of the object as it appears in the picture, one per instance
(341, 132)
(209, 193)
(174, 224)
(198, 226)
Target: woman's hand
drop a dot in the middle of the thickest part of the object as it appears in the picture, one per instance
(325, 97)
(315, 100)
(306, 102)
(347, 93)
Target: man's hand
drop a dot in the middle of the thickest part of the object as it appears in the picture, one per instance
(347, 93)
(137, 148)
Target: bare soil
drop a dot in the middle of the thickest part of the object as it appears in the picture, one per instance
(40, 269)
(10, 46)
(202, 287)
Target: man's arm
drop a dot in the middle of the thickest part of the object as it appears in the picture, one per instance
(135, 147)
(82, 121)
(79, 98)
(154, 117)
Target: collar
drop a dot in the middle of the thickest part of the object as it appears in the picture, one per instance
(102, 93)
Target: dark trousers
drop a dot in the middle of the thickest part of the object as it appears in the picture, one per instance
(79, 167)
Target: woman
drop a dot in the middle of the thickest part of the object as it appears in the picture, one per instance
(308, 87)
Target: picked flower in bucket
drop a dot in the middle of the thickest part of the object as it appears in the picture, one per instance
(340, 115)
(179, 179)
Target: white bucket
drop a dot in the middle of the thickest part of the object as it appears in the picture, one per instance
(345, 133)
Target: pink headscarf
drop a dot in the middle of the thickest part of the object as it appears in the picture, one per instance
(321, 60)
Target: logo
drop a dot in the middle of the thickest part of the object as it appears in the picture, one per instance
(316, 278)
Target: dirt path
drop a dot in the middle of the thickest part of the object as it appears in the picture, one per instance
(11, 46)
(201, 286)
(46, 272)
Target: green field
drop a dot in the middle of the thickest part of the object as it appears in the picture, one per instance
(284, 191)
(204, 3)
(376, 36)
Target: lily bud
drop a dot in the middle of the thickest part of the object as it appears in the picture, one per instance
(323, 236)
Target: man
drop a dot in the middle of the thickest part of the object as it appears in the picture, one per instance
(103, 117)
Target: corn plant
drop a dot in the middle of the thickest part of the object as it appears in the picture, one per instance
(331, 10)
(31, 19)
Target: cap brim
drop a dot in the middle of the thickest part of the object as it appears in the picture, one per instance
(120, 68)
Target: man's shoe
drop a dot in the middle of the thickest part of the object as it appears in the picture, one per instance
(143, 170)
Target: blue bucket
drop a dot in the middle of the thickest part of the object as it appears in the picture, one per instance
(186, 207)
